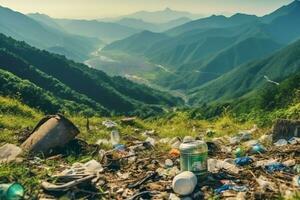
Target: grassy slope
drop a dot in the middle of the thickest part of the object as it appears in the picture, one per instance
(16, 117)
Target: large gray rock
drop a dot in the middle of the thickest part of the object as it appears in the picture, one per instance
(285, 129)
(50, 133)
(9, 153)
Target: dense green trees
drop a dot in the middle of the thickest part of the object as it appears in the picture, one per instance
(78, 86)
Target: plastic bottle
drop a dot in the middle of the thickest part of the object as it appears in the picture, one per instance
(193, 157)
(115, 137)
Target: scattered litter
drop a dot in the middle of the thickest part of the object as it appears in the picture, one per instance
(258, 149)
(9, 153)
(215, 166)
(109, 124)
(151, 140)
(294, 140)
(11, 191)
(296, 168)
(242, 161)
(275, 167)
(188, 139)
(169, 163)
(265, 184)
(174, 153)
(119, 147)
(175, 142)
(193, 156)
(184, 183)
(140, 170)
(266, 139)
(226, 187)
(115, 137)
(239, 152)
(285, 129)
(289, 163)
(296, 181)
(281, 142)
(128, 120)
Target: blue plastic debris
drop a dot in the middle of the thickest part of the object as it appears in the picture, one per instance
(241, 188)
(275, 167)
(226, 187)
(258, 148)
(223, 188)
(119, 147)
(243, 161)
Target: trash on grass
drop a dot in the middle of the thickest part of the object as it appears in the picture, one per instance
(11, 191)
(184, 183)
(242, 161)
(193, 156)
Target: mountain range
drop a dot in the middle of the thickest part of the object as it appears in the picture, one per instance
(203, 54)
(157, 17)
(213, 60)
(22, 27)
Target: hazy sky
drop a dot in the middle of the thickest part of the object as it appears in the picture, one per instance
(111, 8)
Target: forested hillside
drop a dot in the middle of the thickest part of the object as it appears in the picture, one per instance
(61, 79)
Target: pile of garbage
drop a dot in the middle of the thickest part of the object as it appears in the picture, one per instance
(238, 167)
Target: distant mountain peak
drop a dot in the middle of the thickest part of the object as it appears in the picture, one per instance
(168, 9)
(293, 7)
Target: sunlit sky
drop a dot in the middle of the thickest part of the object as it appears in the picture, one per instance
(90, 9)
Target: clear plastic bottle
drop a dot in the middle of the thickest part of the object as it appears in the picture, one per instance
(193, 157)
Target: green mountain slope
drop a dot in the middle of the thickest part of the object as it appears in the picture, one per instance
(76, 82)
(248, 77)
(285, 28)
(106, 31)
(282, 11)
(213, 21)
(154, 27)
(136, 44)
(224, 61)
(24, 28)
(45, 19)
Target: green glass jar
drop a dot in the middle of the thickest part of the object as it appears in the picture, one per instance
(13, 191)
(193, 157)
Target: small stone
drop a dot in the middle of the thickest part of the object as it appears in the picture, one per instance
(175, 142)
(164, 140)
(281, 142)
(155, 187)
(151, 140)
(266, 139)
(290, 162)
(109, 124)
(169, 163)
(9, 153)
(188, 139)
(173, 197)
